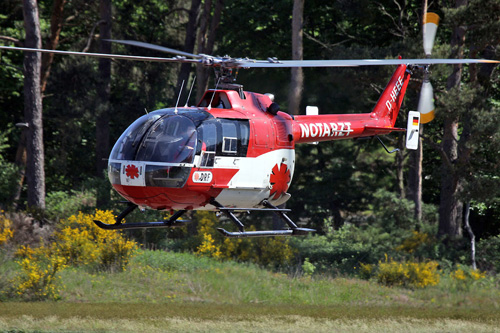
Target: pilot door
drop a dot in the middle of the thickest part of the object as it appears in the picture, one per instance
(219, 140)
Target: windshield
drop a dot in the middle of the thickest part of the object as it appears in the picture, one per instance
(126, 146)
(170, 139)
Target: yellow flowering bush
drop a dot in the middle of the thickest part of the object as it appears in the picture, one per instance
(78, 242)
(365, 270)
(81, 242)
(38, 279)
(263, 251)
(208, 247)
(207, 230)
(6, 232)
(415, 241)
(407, 274)
(463, 277)
(272, 251)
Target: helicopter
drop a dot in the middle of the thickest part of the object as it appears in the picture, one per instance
(234, 151)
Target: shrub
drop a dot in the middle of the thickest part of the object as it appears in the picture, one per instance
(273, 251)
(208, 247)
(81, 242)
(26, 230)
(9, 173)
(366, 271)
(407, 274)
(6, 232)
(463, 277)
(38, 279)
(308, 268)
(414, 242)
(488, 254)
(62, 204)
(341, 251)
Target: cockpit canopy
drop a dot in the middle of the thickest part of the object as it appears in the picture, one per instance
(160, 148)
(159, 136)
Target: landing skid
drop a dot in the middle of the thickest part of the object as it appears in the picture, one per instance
(293, 230)
(229, 212)
(118, 225)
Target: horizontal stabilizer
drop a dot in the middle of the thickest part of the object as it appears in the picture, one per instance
(386, 129)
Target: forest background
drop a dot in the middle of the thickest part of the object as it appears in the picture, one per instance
(364, 203)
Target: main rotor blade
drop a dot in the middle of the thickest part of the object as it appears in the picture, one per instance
(431, 21)
(250, 63)
(155, 47)
(352, 63)
(102, 55)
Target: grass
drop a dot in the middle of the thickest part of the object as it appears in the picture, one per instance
(199, 317)
(181, 292)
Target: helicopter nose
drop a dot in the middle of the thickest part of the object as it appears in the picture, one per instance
(163, 198)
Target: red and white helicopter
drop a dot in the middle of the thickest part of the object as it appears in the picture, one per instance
(235, 150)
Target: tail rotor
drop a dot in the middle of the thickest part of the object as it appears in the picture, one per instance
(426, 100)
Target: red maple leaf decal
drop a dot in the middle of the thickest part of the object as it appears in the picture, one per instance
(131, 171)
(280, 178)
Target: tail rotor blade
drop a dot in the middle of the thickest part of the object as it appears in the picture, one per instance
(426, 102)
(431, 21)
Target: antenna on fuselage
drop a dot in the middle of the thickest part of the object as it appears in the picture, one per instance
(190, 90)
(179, 97)
(213, 95)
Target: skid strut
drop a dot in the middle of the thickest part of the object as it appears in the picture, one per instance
(171, 222)
(229, 212)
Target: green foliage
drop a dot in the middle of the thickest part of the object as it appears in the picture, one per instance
(342, 251)
(308, 268)
(488, 254)
(9, 173)
(61, 205)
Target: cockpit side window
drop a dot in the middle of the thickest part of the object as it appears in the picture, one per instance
(207, 134)
(217, 100)
(222, 137)
(235, 135)
(229, 138)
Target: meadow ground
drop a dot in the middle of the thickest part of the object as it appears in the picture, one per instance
(162, 291)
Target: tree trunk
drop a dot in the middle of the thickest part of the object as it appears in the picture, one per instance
(297, 78)
(206, 40)
(471, 235)
(416, 158)
(451, 206)
(47, 59)
(56, 21)
(415, 178)
(400, 164)
(103, 92)
(189, 42)
(21, 160)
(35, 173)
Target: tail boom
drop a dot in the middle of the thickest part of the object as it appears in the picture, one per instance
(381, 120)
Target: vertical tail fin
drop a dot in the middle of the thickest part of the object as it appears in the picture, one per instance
(388, 105)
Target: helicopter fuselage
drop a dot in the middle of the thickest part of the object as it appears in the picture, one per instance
(180, 158)
(235, 148)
